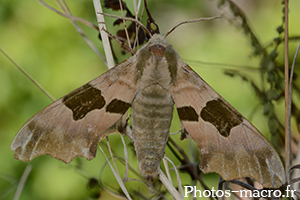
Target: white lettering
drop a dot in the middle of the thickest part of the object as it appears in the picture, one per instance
(195, 191)
(212, 192)
(246, 192)
(256, 193)
(208, 193)
(220, 195)
(227, 193)
(264, 191)
(278, 192)
(188, 191)
(192, 190)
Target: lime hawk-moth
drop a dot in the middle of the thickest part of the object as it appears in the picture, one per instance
(151, 82)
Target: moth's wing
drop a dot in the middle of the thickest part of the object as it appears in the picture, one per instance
(228, 143)
(73, 125)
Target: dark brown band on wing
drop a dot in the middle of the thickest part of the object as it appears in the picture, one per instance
(84, 100)
(187, 113)
(117, 106)
(223, 117)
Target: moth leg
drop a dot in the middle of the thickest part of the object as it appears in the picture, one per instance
(127, 129)
(184, 133)
(128, 132)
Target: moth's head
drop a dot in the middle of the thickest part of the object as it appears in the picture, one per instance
(157, 39)
(157, 46)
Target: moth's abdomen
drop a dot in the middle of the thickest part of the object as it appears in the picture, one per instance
(152, 111)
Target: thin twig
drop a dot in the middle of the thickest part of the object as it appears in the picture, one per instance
(73, 20)
(291, 84)
(125, 178)
(124, 23)
(163, 178)
(165, 162)
(136, 173)
(28, 76)
(114, 192)
(297, 158)
(123, 45)
(83, 35)
(121, 184)
(128, 19)
(112, 156)
(177, 175)
(69, 16)
(286, 77)
(221, 65)
(22, 182)
(137, 27)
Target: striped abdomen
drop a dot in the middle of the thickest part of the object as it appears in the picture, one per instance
(152, 112)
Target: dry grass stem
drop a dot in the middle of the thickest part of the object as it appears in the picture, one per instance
(104, 36)
(117, 176)
(286, 77)
(73, 20)
(28, 76)
(125, 178)
(163, 178)
(128, 19)
(22, 182)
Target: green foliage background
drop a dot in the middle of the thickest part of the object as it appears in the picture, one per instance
(47, 46)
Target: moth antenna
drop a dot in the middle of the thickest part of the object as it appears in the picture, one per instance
(190, 21)
(128, 19)
(123, 45)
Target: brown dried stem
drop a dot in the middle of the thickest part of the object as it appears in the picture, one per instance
(286, 76)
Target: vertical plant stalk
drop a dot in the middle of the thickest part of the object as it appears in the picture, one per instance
(296, 173)
(286, 76)
(104, 36)
(22, 182)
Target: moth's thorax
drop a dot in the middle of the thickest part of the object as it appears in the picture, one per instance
(156, 71)
(157, 63)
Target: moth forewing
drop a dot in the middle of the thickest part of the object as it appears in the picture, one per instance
(73, 125)
(228, 143)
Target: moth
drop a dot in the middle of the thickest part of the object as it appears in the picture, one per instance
(151, 82)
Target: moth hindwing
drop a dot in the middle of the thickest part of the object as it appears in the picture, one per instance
(151, 82)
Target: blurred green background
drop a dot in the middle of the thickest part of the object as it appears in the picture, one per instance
(47, 46)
